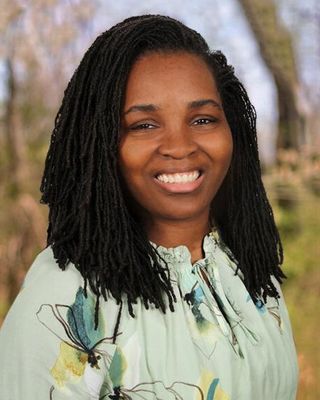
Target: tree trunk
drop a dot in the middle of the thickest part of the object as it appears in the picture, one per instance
(276, 50)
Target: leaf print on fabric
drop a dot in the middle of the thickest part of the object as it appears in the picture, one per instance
(69, 365)
(117, 368)
(274, 311)
(261, 307)
(158, 390)
(272, 307)
(228, 313)
(81, 345)
(259, 304)
(202, 324)
(81, 320)
(195, 298)
(211, 387)
(51, 393)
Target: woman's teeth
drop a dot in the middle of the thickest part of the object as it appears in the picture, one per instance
(179, 178)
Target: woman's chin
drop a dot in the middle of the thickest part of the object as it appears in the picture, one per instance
(180, 213)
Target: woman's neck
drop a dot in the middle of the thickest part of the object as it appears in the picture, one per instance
(173, 233)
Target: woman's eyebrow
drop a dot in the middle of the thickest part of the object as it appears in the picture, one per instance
(142, 107)
(203, 102)
(190, 105)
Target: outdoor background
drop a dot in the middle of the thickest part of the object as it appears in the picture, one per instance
(275, 48)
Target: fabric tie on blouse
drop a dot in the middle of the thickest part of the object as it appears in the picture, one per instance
(192, 283)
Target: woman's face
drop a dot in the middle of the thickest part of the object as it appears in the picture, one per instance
(176, 144)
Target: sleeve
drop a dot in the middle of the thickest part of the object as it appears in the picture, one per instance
(49, 347)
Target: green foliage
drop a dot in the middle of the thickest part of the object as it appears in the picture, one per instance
(300, 232)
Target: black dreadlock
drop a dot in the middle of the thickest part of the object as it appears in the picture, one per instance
(90, 223)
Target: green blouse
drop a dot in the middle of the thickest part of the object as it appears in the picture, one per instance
(218, 344)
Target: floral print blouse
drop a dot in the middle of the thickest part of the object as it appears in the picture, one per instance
(217, 345)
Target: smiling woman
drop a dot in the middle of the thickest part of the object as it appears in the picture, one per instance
(161, 277)
(175, 146)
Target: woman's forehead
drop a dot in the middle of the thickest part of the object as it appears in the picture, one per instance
(156, 75)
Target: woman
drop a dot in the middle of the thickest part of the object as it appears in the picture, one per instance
(169, 278)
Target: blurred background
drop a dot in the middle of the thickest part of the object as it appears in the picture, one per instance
(275, 48)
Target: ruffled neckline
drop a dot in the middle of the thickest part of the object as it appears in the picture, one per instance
(181, 254)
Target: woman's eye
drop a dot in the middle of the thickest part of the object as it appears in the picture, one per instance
(143, 126)
(204, 121)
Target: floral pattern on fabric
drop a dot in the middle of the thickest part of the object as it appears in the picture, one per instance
(117, 368)
(211, 388)
(79, 352)
(70, 364)
(195, 298)
(208, 389)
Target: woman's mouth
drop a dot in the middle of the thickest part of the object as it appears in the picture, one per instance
(180, 182)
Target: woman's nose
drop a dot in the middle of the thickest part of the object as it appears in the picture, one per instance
(177, 143)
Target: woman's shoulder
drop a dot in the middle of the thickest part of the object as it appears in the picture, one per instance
(44, 283)
(48, 288)
(45, 274)
(50, 301)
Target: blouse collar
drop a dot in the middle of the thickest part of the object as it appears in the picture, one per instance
(181, 254)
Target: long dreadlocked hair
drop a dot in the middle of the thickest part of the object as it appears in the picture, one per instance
(90, 223)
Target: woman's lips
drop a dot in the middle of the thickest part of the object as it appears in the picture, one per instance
(180, 187)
